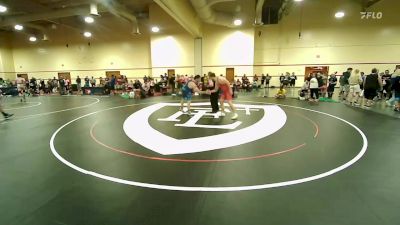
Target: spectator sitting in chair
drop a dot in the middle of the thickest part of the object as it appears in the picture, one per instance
(255, 85)
(238, 85)
(281, 93)
(303, 92)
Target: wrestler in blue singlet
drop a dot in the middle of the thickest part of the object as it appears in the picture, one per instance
(187, 92)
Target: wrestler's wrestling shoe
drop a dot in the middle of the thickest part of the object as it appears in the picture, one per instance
(235, 116)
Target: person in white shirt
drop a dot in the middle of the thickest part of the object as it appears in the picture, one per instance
(314, 89)
(355, 80)
(21, 86)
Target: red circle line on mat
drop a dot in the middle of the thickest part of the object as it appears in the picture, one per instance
(191, 160)
(313, 122)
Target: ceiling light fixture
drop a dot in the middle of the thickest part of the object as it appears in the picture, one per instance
(89, 19)
(237, 22)
(3, 8)
(339, 14)
(298, 0)
(18, 27)
(87, 34)
(155, 29)
(32, 38)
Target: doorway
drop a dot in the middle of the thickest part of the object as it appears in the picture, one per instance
(116, 74)
(230, 74)
(171, 72)
(315, 69)
(65, 75)
(23, 75)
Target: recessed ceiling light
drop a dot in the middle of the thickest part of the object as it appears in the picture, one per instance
(87, 34)
(237, 22)
(155, 29)
(339, 14)
(298, 0)
(89, 19)
(3, 8)
(18, 27)
(32, 38)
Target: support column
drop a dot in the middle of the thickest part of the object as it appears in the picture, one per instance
(198, 61)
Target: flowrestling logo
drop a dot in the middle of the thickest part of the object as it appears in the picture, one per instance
(371, 15)
(138, 129)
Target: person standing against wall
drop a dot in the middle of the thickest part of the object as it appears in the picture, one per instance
(263, 80)
(61, 82)
(93, 82)
(331, 86)
(79, 85)
(171, 82)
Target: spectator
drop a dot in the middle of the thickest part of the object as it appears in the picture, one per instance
(79, 85)
(93, 82)
(324, 83)
(42, 86)
(286, 80)
(87, 82)
(396, 74)
(372, 84)
(112, 85)
(331, 86)
(61, 82)
(102, 82)
(387, 86)
(303, 92)
(54, 85)
(346, 86)
(238, 84)
(171, 82)
(267, 80)
(354, 91)
(396, 90)
(281, 93)
(255, 78)
(281, 79)
(293, 79)
(314, 89)
(255, 85)
(263, 79)
(362, 83)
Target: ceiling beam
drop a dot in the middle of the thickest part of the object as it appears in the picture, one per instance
(53, 14)
(369, 3)
(121, 11)
(184, 14)
(259, 8)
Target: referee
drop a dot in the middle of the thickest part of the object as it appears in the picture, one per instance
(213, 96)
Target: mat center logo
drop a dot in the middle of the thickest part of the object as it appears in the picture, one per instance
(138, 129)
